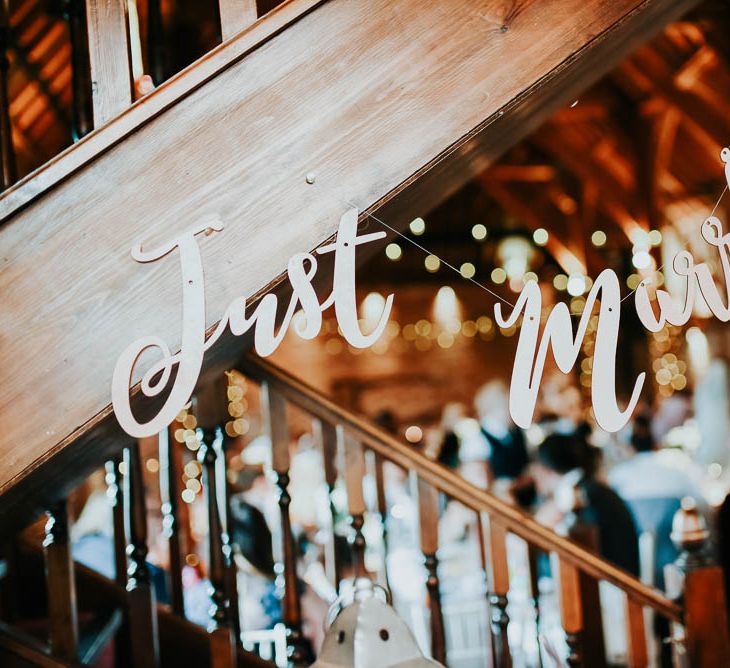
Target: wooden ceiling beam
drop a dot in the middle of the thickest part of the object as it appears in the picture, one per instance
(570, 257)
(613, 196)
(526, 173)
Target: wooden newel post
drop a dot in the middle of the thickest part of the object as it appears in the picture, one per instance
(61, 586)
(222, 642)
(428, 521)
(274, 407)
(142, 618)
(698, 583)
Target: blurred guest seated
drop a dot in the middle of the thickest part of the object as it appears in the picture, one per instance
(564, 465)
(451, 416)
(646, 474)
(653, 490)
(499, 441)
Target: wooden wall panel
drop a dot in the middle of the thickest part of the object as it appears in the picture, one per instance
(370, 96)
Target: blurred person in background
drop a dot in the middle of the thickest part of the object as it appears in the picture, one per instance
(565, 464)
(499, 444)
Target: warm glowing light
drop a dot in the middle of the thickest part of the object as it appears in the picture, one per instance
(467, 270)
(698, 351)
(598, 238)
(192, 469)
(446, 307)
(414, 434)
(560, 282)
(479, 232)
(641, 259)
(530, 276)
(418, 226)
(655, 237)
(576, 285)
(515, 253)
(188, 495)
(393, 251)
(445, 339)
(540, 236)
(499, 275)
(372, 307)
(432, 263)
(640, 239)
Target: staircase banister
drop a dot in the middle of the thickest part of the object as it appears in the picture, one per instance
(513, 519)
(169, 93)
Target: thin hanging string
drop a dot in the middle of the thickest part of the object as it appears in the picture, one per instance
(428, 252)
(712, 213)
(481, 285)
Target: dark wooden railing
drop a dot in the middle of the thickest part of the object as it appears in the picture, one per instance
(578, 569)
(696, 612)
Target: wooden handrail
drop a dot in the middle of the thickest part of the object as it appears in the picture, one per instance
(510, 517)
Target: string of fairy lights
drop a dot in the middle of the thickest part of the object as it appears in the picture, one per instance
(670, 372)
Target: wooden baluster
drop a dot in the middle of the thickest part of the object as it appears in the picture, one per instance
(222, 641)
(274, 406)
(586, 534)
(224, 500)
(235, 15)
(701, 586)
(7, 152)
(329, 441)
(61, 585)
(116, 501)
(109, 58)
(491, 649)
(142, 619)
(495, 546)
(382, 511)
(354, 475)
(169, 476)
(115, 495)
(533, 559)
(571, 610)
(211, 402)
(75, 13)
(155, 42)
(428, 521)
(636, 635)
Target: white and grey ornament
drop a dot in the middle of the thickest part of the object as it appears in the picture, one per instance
(368, 633)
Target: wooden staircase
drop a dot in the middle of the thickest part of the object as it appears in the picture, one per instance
(298, 114)
(122, 624)
(404, 104)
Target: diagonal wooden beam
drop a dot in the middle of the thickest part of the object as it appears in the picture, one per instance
(570, 258)
(387, 104)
